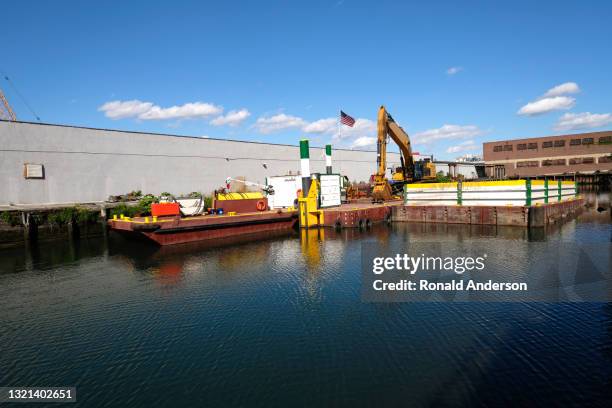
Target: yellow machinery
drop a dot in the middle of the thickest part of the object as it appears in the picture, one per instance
(410, 171)
(309, 206)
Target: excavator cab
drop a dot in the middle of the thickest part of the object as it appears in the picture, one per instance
(424, 170)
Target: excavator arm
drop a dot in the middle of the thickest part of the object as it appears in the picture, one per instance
(388, 128)
(400, 137)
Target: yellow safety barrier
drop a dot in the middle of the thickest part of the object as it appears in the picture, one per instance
(252, 195)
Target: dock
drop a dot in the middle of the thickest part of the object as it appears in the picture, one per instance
(520, 216)
(360, 214)
(524, 203)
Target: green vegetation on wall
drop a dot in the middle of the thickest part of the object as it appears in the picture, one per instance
(11, 218)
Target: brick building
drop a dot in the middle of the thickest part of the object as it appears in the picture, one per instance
(583, 153)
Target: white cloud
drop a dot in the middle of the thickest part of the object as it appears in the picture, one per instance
(468, 145)
(364, 141)
(546, 105)
(563, 89)
(124, 109)
(453, 70)
(148, 111)
(585, 120)
(321, 126)
(278, 122)
(186, 111)
(554, 99)
(232, 118)
(447, 132)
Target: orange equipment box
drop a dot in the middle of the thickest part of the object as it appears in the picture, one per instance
(161, 209)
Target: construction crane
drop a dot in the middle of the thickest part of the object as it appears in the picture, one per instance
(409, 171)
(6, 112)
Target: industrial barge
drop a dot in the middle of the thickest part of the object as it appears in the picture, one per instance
(169, 230)
(313, 200)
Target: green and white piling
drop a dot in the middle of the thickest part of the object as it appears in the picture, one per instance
(305, 166)
(328, 159)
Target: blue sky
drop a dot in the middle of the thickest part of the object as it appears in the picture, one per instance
(453, 74)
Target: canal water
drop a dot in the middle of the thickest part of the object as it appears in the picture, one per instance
(280, 322)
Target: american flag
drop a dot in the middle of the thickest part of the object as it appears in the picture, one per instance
(346, 119)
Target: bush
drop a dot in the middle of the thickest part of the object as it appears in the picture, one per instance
(84, 216)
(123, 209)
(441, 178)
(144, 204)
(11, 218)
(208, 201)
(142, 208)
(62, 217)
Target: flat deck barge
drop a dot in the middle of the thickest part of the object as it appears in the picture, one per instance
(177, 230)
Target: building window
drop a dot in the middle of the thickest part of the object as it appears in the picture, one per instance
(605, 159)
(574, 142)
(527, 164)
(559, 143)
(500, 172)
(547, 144)
(587, 141)
(497, 148)
(533, 146)
(521, 146)
(575, 161)
(557, 162)
(507, 148)
(605, 140)
(588, 160)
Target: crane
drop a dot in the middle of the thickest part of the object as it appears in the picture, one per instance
(410, 171)
(6, 112)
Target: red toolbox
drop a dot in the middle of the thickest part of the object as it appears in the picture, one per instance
(161, 209)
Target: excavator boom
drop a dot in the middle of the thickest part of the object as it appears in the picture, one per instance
(387, 127)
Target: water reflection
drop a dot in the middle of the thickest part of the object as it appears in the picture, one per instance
(266, 321)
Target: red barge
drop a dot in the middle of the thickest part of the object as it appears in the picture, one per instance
(177, 230)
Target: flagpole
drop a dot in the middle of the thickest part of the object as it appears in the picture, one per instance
(339, 125)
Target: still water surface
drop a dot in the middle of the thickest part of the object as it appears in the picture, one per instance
(280, 322)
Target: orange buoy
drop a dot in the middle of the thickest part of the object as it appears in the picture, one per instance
(261, 205)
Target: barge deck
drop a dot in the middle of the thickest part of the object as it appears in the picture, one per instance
(177, 230)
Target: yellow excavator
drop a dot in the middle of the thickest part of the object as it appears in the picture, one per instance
(409, 171)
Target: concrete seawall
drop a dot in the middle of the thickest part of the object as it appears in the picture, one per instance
(88, 165)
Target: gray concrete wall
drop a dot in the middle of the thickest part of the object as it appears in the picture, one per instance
(85, 165)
